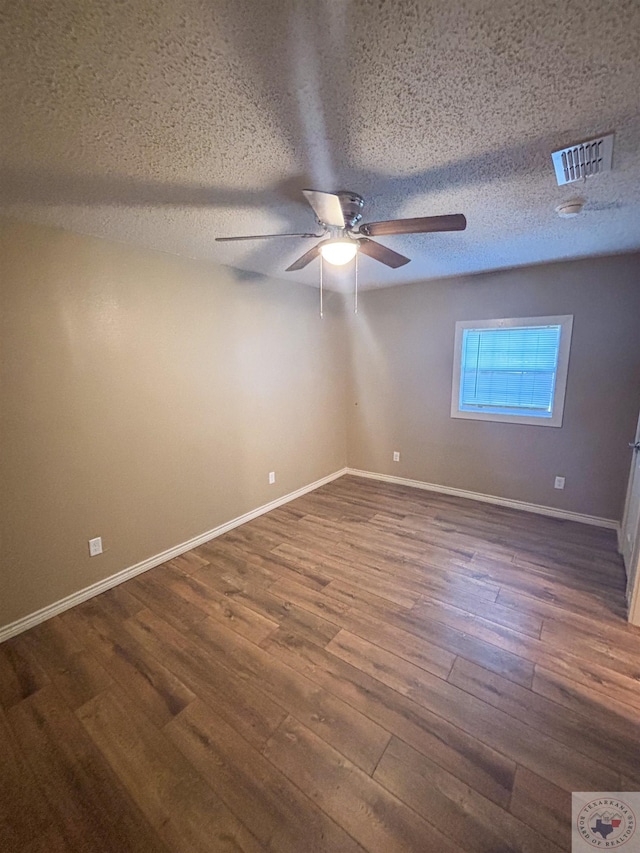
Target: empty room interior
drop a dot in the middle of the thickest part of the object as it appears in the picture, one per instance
(319, 441)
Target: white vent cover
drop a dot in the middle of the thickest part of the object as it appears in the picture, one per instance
(583, 160)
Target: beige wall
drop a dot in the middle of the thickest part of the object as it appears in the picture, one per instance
(402, 354)
(144, 399)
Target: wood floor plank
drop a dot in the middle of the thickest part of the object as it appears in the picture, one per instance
(518, 580)
(76, 673)
(82, 678)
(358, 596)
(591, 670)
(579, 732)
(470, 606)
(259, 599)
(576, 559)
(608, 627)
(117, 603)
(578, 577)
(357, 736)
(153, 595)
(92, 808)
(401, 542)
(397, 590)
(25, 816)
(307, 570)
(459, 812)
(21, 674)
(314, 601)
(251, 536)
(479, 624)
(188, 562)
(218, 606)
(247, 708)
(621, 655)
(493, 727)
(52, 644)
(413, 632)
(251, 562)
(606, 622)
(416, 576)
(432, 658)
(278, 814)
(366, 810)
(613, 676)
(157, 689)
(543, 806)
(627, 784)
(51, 840)
(399, 674)
(621, 720)
(182, 808)
(429, 527)
(463, 755)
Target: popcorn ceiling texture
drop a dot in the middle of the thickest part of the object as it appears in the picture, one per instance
(168, 123)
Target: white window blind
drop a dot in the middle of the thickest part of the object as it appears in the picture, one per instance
(510, 369)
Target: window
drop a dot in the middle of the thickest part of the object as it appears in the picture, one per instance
(511, 370)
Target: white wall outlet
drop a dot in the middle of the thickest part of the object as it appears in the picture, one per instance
(95, 546)
(558, 483)
(272, 477)
(396, 455)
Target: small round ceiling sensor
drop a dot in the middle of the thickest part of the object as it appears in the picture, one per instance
(570, 208)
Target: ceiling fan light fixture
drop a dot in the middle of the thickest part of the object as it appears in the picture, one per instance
(339, 252)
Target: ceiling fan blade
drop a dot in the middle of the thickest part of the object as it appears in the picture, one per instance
(263, 237)
(419, 225)
(305, 259)
(382, 254)
(326, 207)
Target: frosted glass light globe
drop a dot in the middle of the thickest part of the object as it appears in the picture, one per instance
(339, 252)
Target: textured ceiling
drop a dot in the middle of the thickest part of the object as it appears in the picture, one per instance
(168, 123)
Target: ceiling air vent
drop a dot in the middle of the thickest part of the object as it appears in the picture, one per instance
(583, 160)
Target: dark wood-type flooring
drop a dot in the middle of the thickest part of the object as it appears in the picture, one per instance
(369, 667)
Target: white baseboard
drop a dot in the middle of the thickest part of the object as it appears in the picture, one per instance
(63, 604)
(594, 520)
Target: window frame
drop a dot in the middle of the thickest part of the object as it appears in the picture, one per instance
(565, 321)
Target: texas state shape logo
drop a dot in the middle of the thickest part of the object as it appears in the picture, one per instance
(606, 823)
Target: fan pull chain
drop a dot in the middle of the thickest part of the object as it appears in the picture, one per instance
(355, 297)
(321, 270)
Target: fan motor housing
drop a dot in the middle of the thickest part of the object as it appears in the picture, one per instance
(352, 205)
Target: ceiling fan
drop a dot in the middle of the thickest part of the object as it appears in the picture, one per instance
(339, 213)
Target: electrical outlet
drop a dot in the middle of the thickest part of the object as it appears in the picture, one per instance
(558, 483)
(396, 455)
(95, 546)
(272, 477)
